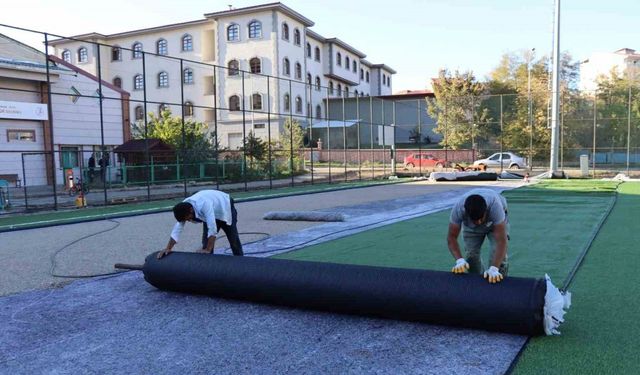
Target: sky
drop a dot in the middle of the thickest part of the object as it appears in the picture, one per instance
(417, 38)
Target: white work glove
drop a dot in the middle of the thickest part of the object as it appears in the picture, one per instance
(493, 275)
(461, 266)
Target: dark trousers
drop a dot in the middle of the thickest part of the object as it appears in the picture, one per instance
(231, 231)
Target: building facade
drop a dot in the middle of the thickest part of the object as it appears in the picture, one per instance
(34, 134)
(602, 64)
(272, 66)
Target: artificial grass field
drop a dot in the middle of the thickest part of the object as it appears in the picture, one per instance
(105, 212)
(551, 224)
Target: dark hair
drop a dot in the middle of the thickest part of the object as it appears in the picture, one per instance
(475, 206)
(182, 210)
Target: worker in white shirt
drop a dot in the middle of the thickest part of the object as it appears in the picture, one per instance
(215, 210)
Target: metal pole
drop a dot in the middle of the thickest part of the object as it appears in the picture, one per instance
(215, 126)
(373, 172)
(561, 108)
(393, 146)
(291, 131)
(184, 152)
(384, 142)
(106, 173)
(530, 110)
(629, 120)
(595, 118)
(419, 137)
(358, 131)
(555, 92)
(310, 127)
(50, 114)
(24, 182)
(501, 136)
(269, 133)
(146, 140)
(328, 136)
(244, 136)
(344, 137)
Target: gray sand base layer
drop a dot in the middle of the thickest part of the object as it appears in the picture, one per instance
(123, 325)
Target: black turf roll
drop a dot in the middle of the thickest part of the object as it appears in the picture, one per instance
(514, 305)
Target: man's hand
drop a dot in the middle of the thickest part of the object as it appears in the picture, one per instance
(163, 253)
(461, 266)
(493, 275)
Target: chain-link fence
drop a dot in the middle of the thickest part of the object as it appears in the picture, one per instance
(138, 122)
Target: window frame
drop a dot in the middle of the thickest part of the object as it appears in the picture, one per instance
(116, 53)
(138, 85)
(254, 101)
(338, 59)
(82, 60)
(251, 65)
(318, 83)
(308, 50)
(187, 108)
(297, 38)
(316, 54)
(66, 55)
(285, 31)
(117, 79)
(32, 132)
(135, 113)
(233, 71)
(135, 52)
(189, 46)
(162, 45)
(298, 103)
(236, 27)
(233, 108)
(259, 29)
(191, 80)
(163, 79)
(286, 67)
(298, 71)
(287, 102)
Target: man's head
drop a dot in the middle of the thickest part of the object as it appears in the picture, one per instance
(476, 207)
(183, 211)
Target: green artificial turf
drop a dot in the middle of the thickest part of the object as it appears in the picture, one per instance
(601, 334)
(103, 212)
(549, 229)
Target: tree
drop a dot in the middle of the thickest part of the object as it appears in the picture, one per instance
(254, 148)
(457, 108)
(291, 139)
(194, 143)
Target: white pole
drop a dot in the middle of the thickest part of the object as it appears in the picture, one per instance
(555, 91)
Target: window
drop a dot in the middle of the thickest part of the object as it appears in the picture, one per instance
(117, 82)
(286, 67)
(66, 55)
(234, 103)
(83, 55)
(355, 67)
(21, 135)
(69, 157)
(346, 91)
(234, 67)
(255, 65)
(347, 62)
(116, 53)
(384, 79)
(187, 108)
(361, 74)
(317, 83)
(162, 47)
(139, 113)
(187, 76)
(163, 108)
(138, 82)
(317, 54)
(163, 79)
(309, 108)
(308, 50)
(356, 93)
(187, 43)
(298, 104)
(298, 71)
(137, 50)
(285, 31)
(309, 79)
(258, 126)
(233, 32)
(296, 37)
(367, 74)
(331, 87)
(318, 111)
(339, 89)
(256, 101)
(339, 59)
(389, 81)
(255, 30)
(287, 102)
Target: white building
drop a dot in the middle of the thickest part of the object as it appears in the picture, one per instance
(603, 63)
(251, 44)
(72, 130)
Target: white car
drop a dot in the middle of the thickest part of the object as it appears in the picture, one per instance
(508, 160)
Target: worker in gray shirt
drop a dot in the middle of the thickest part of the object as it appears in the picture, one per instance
(478, 214)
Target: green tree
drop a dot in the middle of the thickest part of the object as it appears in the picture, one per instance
(254, 148)
(291, 138)
(192, 139)
(457, 109)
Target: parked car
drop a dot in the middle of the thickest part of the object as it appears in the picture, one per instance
(422, 160)
(508, 160)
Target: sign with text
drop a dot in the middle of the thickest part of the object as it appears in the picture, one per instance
(23, 110)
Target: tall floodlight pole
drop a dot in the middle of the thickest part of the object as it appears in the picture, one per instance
(555, 91)
(529, 108)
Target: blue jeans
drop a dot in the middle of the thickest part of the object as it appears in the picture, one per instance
(231, 231)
